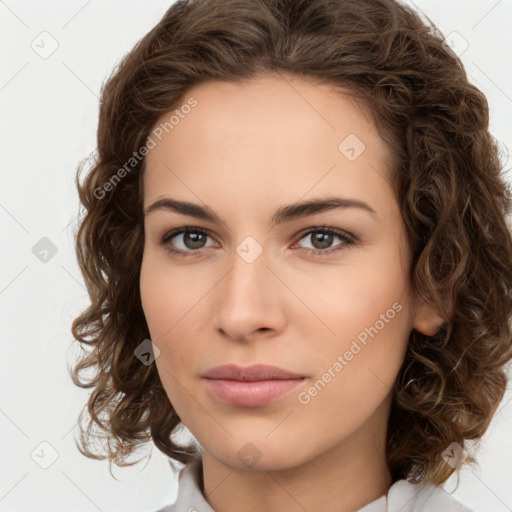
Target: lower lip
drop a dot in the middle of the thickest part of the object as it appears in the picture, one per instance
(250, 393)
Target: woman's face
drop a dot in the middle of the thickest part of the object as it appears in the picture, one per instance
(265, 282)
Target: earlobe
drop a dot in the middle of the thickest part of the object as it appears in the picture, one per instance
(427, 320)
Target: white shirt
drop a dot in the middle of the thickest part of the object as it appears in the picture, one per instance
(402, 496)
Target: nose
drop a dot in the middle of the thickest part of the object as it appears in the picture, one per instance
(250, 299)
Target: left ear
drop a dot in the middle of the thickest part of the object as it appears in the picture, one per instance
(427, 319)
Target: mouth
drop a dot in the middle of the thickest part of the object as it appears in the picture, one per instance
(251, 393)
(253, 386)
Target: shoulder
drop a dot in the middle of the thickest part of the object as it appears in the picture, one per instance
(424, 497)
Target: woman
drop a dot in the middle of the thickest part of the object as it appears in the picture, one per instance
(295, 245)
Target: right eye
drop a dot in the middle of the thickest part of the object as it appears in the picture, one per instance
(191, 239)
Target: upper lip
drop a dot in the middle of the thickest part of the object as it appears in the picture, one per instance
(250, 373)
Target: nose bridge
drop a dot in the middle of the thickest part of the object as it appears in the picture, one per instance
(248, 298)
(249, 276)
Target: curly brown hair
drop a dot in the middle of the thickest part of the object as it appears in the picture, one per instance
(448, 180)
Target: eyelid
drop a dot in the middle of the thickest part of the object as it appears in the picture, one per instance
(169, 235)
(335, 231)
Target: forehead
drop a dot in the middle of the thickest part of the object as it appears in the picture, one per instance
(273, 132)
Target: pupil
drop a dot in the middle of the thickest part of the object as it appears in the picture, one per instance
(196, 240)
(325, 240)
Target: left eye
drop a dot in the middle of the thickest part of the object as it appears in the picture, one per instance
(322, 238)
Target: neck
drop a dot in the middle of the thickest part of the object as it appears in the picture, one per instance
(347, 477)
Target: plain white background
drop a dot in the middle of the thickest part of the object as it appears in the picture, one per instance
(49, 112)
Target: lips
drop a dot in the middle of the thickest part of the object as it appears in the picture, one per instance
(251, 373)
(254, 386)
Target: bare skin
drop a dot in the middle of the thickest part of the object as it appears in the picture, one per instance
(245, 150)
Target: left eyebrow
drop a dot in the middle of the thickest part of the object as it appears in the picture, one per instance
(283, 214)
(307, 208)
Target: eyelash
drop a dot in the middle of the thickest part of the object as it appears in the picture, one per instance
(347, 241)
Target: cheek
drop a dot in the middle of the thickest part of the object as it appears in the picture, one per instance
(154, 298)
(357, 367)
(367, 307)
(353, 295)
(169, 298)
(166, 294)
(380, 279)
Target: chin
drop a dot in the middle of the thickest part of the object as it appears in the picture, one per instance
(260, 454)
